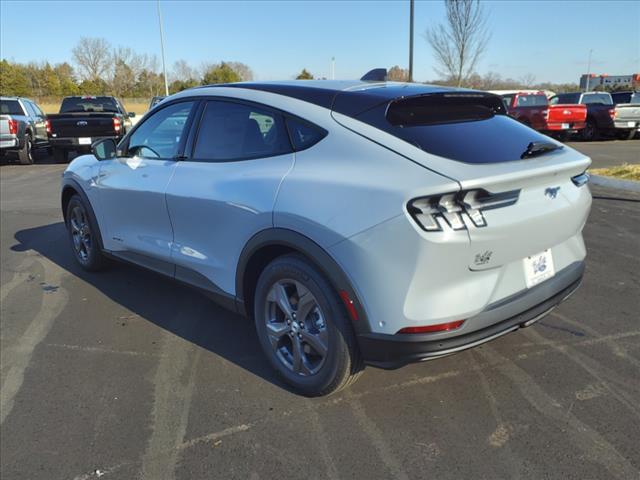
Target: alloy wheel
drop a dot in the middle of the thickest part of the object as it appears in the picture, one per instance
(296, 327)
(81, 233)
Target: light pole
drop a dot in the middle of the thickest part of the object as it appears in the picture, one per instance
(411, 40)
(333, 68)
(164, 65)
(588, 71)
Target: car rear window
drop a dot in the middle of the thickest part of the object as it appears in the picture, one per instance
(635, 98)
(10, 107)
(466, 128)
(88, 104)
(599, 98)
(532, 101)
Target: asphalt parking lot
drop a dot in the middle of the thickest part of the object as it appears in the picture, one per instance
(126, 375)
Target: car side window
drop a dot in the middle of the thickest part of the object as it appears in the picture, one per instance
(235, 131)
(31, 111)
(160, 135)
(38, 110)
(304, 135)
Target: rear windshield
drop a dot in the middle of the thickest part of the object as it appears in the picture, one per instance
(565, 98)
(635, 98)
(466, 129)
(532, 101)
(10, 107)
(600, 98)
(88, 104)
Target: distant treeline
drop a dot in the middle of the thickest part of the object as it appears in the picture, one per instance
(97, 68)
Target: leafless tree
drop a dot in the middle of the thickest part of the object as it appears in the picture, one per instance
(459, 43)
(183, 71)
(93, 57)
(528, 80)
(246, 74)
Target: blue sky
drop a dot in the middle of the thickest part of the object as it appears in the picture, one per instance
(549, 39)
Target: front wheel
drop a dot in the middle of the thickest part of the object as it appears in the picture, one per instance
(304, 329)
(83, 235)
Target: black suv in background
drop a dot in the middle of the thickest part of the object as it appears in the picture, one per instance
(83, 120)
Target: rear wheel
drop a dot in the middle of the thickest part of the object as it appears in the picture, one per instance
(590, 131)
(626, 134)
(60, 156)
(83, 235)
(304, 329)
(25, 154)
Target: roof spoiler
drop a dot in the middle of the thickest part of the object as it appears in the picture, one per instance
(375, 75)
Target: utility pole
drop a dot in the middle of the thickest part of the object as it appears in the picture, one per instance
(588, 71)
(333, 68)
(164, 65)
(411, 40)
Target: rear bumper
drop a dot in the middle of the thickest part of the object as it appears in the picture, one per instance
(9, 141)
(73, 143)
(627, 124)
(394, 351)
(565, 127)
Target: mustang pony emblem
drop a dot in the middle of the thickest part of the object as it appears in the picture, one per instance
(552, 192)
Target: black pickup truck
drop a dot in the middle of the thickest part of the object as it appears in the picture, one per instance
(83, 120)
(600, 112)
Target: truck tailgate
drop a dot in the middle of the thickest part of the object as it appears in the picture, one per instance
(567, 113)
(75, 125)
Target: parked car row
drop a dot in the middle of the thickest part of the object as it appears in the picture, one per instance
(591, 115)
(82, 120)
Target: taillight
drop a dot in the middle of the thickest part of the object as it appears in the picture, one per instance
(448, 211)
(545, 114)
(47, 124)
(441, 327)
(13, 127)
(612, 113)
(117, 124)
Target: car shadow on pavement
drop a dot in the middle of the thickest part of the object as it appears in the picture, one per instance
(172, 306)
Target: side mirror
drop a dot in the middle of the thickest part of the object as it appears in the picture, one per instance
(131, 114)
(104, 149)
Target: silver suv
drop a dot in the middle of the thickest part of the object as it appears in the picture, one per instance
(356, 222)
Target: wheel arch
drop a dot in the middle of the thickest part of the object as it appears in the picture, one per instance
(70, 188)
(269, 244)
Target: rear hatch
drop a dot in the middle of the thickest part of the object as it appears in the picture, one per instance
(529, 202)
(567, 113)
(82, 124)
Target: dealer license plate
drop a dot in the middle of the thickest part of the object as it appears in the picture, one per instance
(538, 268)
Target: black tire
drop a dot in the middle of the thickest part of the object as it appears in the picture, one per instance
(25, 154)
(627, 135)
(60, 156)
(83, 235)
(590, 131)
(341, 363)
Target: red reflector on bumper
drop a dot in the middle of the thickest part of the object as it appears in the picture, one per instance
(348, 303)
(441, 327)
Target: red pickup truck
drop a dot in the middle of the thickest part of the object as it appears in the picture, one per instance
(533, 109)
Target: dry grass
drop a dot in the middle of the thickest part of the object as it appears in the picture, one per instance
(137, 106)
(623, 172)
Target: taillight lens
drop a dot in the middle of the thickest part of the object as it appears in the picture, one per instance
(612, 113)
(117, 124)
(441, 327)
(13, 127)
(448, 211)
(545, 114)
(47, 124)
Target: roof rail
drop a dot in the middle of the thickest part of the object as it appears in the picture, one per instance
(375, 75)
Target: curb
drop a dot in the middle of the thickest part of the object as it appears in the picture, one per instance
(628, 185)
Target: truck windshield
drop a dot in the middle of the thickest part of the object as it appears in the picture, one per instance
(10, 107)
(88, 104)
(532, 101)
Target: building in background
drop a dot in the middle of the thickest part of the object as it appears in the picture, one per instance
(591, 81)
